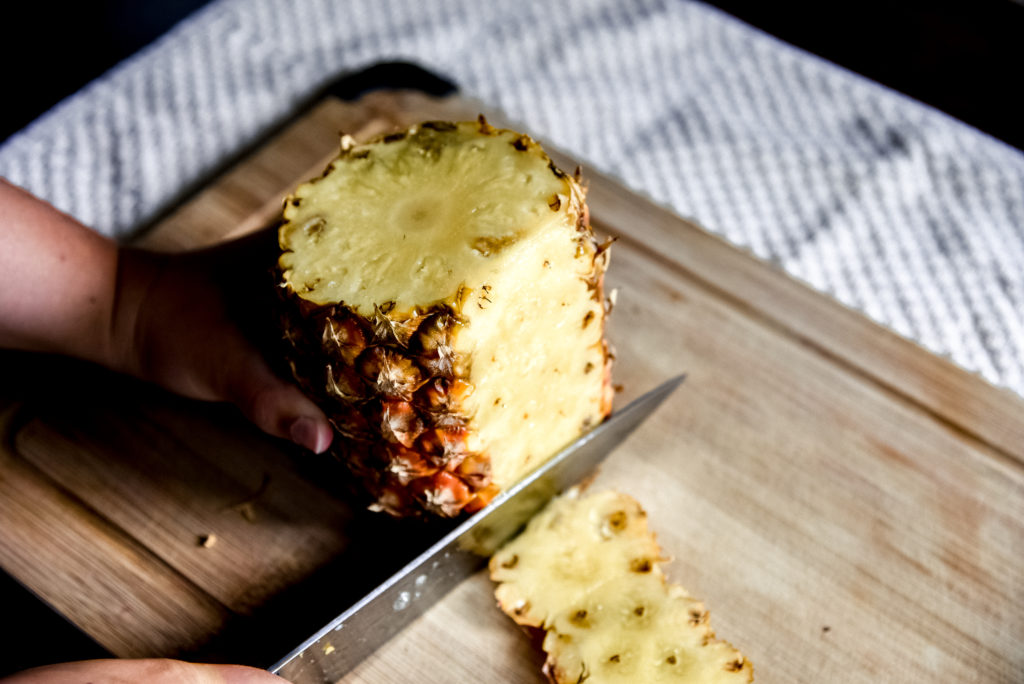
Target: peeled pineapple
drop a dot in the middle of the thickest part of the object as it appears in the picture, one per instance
(588, 571)
(443, 302)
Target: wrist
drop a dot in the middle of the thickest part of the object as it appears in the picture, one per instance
(136, 275)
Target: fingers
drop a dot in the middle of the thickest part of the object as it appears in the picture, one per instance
(152, 671)
(310, 433)
(237, 674)
(278, 407)
(187, 338)
(282, 410)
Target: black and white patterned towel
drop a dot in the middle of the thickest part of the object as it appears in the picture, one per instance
(893, 208)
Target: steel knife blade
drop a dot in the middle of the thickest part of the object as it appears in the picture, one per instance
(355, 634)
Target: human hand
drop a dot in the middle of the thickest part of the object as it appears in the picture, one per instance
(167, 319)
(150, 671)
(188, 322)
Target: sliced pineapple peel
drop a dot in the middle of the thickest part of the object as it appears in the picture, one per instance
(588, 571)
(567, 550)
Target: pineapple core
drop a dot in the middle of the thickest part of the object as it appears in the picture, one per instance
(588, 571)
(444, 300)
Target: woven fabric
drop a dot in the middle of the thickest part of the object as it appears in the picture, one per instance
(893, 208)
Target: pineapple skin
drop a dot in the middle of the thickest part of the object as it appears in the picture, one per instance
(393, 382)
(395, 402)
(587, 571)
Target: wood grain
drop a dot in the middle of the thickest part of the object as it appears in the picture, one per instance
(104, 580)
(849, 506)
(236, 488)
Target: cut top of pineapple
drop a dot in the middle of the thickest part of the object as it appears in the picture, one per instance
(417, 217)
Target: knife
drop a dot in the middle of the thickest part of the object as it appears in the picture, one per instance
(359, 631)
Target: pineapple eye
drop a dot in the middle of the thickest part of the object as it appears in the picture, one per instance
(734, 666)
(511, 562)
(615, 658)
(314, 228)
(614, 523)
(489, 246)
(641, 565)
(671, 660)
(639, 611)
(485, 128)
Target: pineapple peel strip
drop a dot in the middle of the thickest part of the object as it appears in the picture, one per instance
(587, 571)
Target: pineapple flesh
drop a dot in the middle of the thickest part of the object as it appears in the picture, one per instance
(588, 572)
(443, 302)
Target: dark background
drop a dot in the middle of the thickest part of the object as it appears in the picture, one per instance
(961, 57)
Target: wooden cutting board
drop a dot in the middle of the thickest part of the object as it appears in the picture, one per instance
(849, 506)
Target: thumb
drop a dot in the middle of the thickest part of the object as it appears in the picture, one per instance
(239, 674)
(278, 407)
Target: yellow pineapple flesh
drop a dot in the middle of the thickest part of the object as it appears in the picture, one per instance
(588, 571)
(443, 302)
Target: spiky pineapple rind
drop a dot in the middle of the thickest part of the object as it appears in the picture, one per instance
(394, 395)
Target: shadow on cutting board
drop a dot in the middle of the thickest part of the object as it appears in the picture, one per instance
(270, 533)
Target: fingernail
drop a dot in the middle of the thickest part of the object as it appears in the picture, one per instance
(303, 432)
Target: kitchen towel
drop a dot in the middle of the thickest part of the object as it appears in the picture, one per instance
(891, 207)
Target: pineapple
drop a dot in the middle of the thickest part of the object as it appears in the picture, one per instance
(442, 300)
(588, 572)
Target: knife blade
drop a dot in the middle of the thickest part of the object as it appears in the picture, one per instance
(354, 635)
